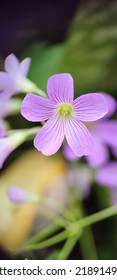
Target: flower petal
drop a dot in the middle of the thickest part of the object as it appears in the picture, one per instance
(78, 137)
(6, 148)
(69, 154)
(107, 175)
(6, 82)
(107, 132)
(17, 194)
(24, 66)
(50, 137)
(5, 96)
(99, 156)
(12, 64)
(36, 108)
(60, 88)
(2, 128)
(90, 107)
(111, 104)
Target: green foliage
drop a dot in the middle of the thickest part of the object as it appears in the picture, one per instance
(46, 62)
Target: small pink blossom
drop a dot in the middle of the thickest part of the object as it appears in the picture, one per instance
(65, 116)
(14, 80)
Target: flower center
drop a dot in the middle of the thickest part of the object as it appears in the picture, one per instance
(65, 110)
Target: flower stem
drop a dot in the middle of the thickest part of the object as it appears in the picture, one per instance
(67, 248)
(41, 92)
(51, 229)
(104, 214)
(44, 244)
(88, 249)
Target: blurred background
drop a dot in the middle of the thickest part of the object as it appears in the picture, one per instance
(79, 37)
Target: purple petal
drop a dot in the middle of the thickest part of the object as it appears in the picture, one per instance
(60, 88)
(107, 132)
(111, 104)
(5, 108)
(16, 194)
(50, 137)
(10, 143)
(2, 128)
(78, 137)
(5, 96)
(24, 66)
(6, 148)
(69, 154)
(6, 82)
(36, 108)
(90, 107)
(107, 175)
(12, 64)
(99, 156)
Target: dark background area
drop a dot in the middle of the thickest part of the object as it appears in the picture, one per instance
(22, 22)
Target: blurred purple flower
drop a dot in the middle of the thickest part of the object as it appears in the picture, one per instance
(14, 80)
(107, 176)
(21, 195)
(17, 194)
(65, 116)
(10, 143)
(104, 134)
(7, 107)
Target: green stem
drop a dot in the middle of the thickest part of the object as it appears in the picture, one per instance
(104, 214)
(40, 92)
(51, 229)
(14, 106)
(44, 244)
(67, 248)
(88, 248)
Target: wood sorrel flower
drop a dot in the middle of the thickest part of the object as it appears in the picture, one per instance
(65, 116)
(14, 80)
(104, 133)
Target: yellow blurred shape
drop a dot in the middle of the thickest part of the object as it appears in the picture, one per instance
(36, 173)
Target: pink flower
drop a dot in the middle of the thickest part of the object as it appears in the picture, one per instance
(14, 80)
(104, 134)
(65, 116)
